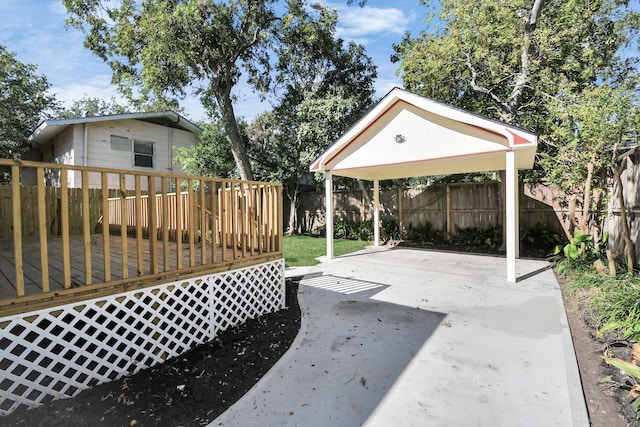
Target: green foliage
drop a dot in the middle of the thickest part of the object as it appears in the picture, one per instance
(634, 372)
(616, 307)
(574, 249)
(390, 229)
(539, 240)
(424, 234)
(364, 231)
(342, 229)
(212, 156)
(509, 60)
(475, 237)
(583, 129)
(91, 107)
(580, 250)
(23, 104)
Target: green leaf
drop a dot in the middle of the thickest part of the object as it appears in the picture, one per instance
(578, 239)
(573, 251)
(630, 369)
(611, 326)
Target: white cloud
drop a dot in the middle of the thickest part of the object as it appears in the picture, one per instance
(356, 23)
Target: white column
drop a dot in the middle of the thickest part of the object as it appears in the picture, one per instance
(376, 212)
(517, 211)
(328, 183)
(511, 191)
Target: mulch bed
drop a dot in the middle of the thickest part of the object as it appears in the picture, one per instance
(189, 390)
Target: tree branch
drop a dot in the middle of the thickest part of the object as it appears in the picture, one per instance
(478, 88)
(525, 56)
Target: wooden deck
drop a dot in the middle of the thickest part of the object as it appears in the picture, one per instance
(137, 265)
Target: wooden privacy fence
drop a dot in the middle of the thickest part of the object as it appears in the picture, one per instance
(220, 222)
(447, 207)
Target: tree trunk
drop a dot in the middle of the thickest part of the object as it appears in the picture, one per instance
(293, 212)
(236, 144)
(628, 250)
(572, 216)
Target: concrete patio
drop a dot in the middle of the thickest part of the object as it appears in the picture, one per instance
(395, 336)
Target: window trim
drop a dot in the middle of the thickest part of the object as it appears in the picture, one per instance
(134, 154)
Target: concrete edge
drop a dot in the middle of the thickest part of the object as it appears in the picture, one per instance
(579, 411)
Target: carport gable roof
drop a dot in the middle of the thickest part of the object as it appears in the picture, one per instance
(407, 135)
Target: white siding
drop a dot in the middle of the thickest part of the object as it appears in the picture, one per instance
(100, 153)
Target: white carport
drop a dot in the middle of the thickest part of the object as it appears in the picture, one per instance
(406, 135)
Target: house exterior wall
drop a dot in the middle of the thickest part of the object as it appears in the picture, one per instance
(69, 148)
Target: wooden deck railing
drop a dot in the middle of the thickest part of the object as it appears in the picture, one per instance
(210, 224)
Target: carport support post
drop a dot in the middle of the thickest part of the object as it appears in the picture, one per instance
(328, 184)
(511, 208)
(376, 212)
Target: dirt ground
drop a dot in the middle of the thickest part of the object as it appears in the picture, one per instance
(607, 403)
(192, 390)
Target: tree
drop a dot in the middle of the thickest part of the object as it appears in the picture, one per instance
(510, 61)
(507, 61)
(212, 156)
(91, 107)
(587, 132)
(23, 104)
(322, 87)
(163, 48)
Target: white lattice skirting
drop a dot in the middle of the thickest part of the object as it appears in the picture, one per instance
(56, 353)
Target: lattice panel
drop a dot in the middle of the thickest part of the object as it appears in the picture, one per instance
(59, 352)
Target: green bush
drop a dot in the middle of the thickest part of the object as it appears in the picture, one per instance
(425, 234)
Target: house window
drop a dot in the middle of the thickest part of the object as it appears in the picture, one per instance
(143, 153)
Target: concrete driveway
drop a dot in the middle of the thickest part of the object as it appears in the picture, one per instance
(402, 337)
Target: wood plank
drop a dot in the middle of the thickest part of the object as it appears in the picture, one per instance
(123, 226)
(153, 226)
(86, 228)
(192, 223)
(165, 224)
(106, 221)
(203, 221)
(64, 222)
(179, 216)
(138, 225)
(17, 229)
(42, 230)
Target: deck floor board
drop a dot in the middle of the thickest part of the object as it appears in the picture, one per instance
(33, 270)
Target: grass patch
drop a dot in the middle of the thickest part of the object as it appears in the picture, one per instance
(303, 250)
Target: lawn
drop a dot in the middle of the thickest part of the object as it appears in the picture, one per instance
(303, 250)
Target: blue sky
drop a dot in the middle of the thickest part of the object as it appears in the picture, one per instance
(34, 30)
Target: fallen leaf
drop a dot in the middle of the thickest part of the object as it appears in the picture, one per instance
(635, 353)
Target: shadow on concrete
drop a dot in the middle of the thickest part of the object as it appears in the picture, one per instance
(350, 352)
